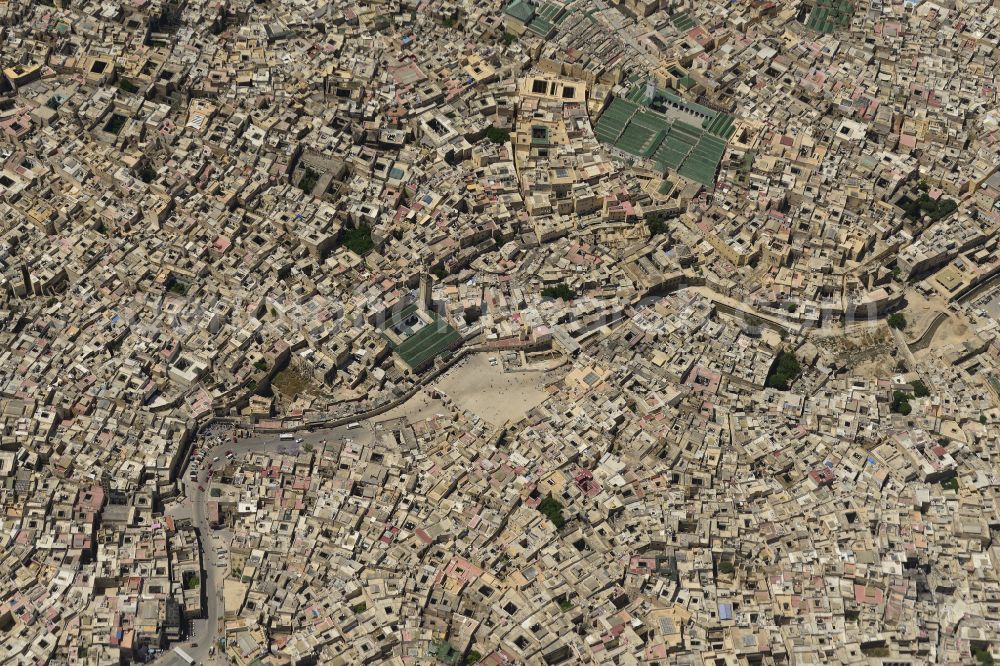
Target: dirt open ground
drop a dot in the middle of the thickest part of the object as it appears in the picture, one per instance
(492, 394)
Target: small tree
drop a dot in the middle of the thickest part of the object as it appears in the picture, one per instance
(920, 389)
(897, 321)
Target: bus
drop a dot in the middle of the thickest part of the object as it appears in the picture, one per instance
(188, 659)
(286, 436)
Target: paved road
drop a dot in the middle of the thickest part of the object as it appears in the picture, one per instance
(207, 632)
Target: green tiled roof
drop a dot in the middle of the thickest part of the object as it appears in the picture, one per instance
(428, 342)
(693, 152)
(521, 10)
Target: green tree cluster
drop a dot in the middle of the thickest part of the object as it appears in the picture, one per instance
(358, 240)
(786, 368)
(559, 291)
(900, 403)
(897, 321)
(935, 209)
(308, 180)
(552, 510)
(983, 656)
(497, 134)
(656, 225)
(147, 174)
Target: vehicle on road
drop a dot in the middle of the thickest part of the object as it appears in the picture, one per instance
(286, 436)
(230, 452)
(215, 459)
(353, 425)
(201, 488)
